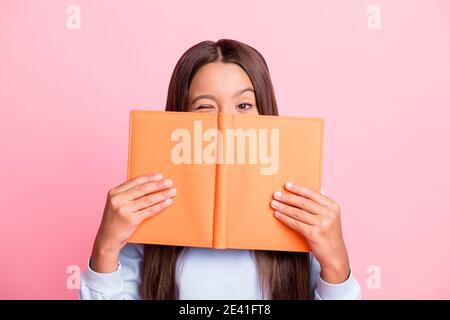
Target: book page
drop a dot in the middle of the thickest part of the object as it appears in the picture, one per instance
(171, 143)
(284, 149)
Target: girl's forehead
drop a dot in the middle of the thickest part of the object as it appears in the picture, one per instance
(224, 78)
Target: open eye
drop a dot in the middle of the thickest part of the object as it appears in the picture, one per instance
(244, 106)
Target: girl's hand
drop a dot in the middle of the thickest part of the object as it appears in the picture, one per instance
(128, 205)
(317, 218)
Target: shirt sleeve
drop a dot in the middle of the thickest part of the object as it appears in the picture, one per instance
(122, 284)
(322, 290)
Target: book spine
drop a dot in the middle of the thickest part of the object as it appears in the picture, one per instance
(221, 187)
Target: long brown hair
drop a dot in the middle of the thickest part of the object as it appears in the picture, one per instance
(282, 275)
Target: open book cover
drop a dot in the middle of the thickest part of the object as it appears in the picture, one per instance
(225, 168)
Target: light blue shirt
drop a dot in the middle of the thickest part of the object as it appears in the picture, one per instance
(202, 273)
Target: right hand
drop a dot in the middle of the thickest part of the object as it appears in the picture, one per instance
(128, 205)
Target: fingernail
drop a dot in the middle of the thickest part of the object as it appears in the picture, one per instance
(277, 214)
(167, 182)
(275, 203)
(172, 192)
(289, 184)
(157, 176)
(168, 201)
(277, 195)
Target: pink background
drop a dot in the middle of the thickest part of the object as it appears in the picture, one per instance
(65, 97)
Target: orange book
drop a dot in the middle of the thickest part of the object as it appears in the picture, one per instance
(225, 168)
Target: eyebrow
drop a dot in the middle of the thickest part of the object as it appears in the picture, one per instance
(210, 97)
(205, 96)
(243, 90)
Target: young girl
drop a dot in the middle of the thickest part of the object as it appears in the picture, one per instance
(231, 77)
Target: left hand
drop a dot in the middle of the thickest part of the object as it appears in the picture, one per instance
(317, 218)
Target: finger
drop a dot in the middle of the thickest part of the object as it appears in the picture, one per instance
(299, 226)
(136, 181)
(300, 202)
(151, 199)
(153, 210)
(295, 213)
(145, 188)
(309, 193)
